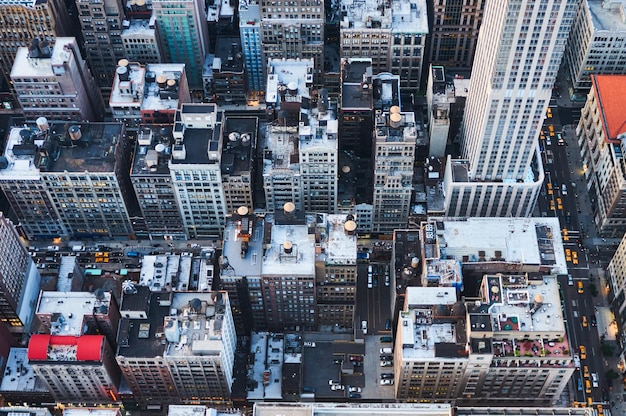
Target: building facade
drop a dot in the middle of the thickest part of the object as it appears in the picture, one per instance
(195, 167)
(76, 176)
(395, 137)
(336, 272)
(101, 28)
(597, 43)
(602, 142)
(509, 92)
(76, 369)
(19, 281)
(250, 34)
(23, 21)
(153, 184)
(456, 24)
(392, 34)
(141, 40)
(52, 80)
(184, 35)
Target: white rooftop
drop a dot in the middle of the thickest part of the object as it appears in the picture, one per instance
(140, 27)
(416, 295)
(608, 18)
(196, 410)
(340, 244)
(71, 307)
(158, 272)
(250, 263)
(128, 93)
(86, 411)
(19, 375)
(194, 325)
(66, 273)
(283, 142)
(293, 76)
(405, 16)
(300, 261)
(20, 166)
(351, 409)
(517, 240)
(517, 305)
(267, 368)
(23, 66)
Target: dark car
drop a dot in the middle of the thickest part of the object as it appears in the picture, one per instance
(355, 396)
(386, 376)
(356, 358)
(388, 324)
(594, 322)
(131, 266)
(386, 357)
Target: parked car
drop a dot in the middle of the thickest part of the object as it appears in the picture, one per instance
(354, 396)
(336, 387)
(386, 382)
(386, 339)
(386, 375)
(386, 364)
(354, 389)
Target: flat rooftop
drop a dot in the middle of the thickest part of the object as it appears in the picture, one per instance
(350, 409)
(19, 375)
(292, 251)
(153, 151)
(240, 139)
(90, 412)
(292, 76)
(163, 98)
(67, 309)
(341, 242)
(135, 339)
(248, 262)
(24, 66)
(609, 19)
(30, 151)
(196, 410)
(519, 240)
(268, 364)
(228, 54)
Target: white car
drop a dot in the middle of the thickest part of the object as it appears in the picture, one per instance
(354, 389)
(386, 382)
(335, 387)
(594, 380)
(386, 364)
(364, 326)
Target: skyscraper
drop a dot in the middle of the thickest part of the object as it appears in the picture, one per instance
(519, 51)
(184, 35)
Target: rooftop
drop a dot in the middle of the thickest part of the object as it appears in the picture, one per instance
(67, 309)
(65, 348)
(128, 85)
(423, 334)
(136, 339)
(158, 272)
(607, 18)
(288, 80)
(519, 304)
(76, 147)
(240, 136)
(25, 66)
(533, 241)
(85, 411)
(19, 375)
(164, 87)
(200, 128)
(341, 241)
(243, 245)
(195, 410)
(351, 409)
(228, 55)
(267, 369)
(134, 27)
(400, 16)
(282, 149)
(291, 252)
(153, 150)
(611, 102)
(356, 88)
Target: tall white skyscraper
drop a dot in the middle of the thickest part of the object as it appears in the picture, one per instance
(519, 51)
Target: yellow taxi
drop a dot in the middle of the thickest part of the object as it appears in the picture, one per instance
(559, 203)
(580, 287)
(549, 112)
(583, 354)
(565, 234)
(585, 371)
(551, 130)
(584, 321)
(568, 254)
(574, 257)
(551, 205)
(550, 190)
